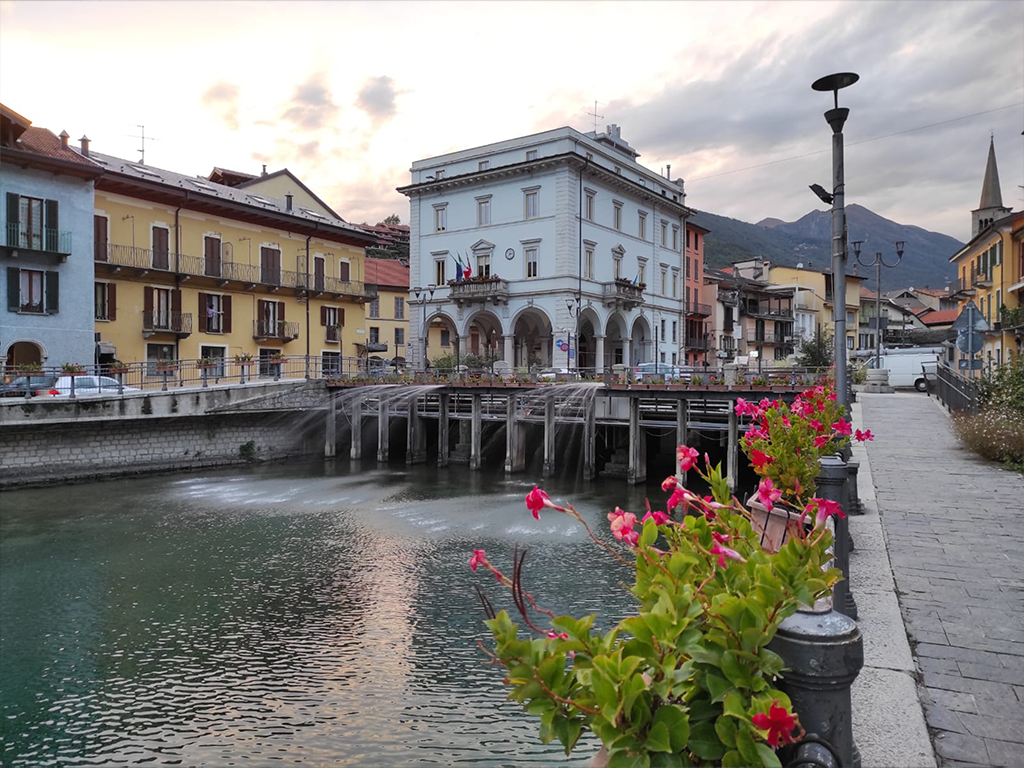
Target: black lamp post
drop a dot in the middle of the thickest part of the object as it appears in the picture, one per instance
(878, 262)
(836, 118)
(426, 331)
(573, 305)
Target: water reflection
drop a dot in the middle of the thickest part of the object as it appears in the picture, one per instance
(319, 614)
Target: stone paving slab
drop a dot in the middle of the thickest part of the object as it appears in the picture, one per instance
(954, 525)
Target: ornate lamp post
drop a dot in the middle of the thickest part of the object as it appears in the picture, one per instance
(426, 331)
(573, 305)
(878, 262)
(836, 118)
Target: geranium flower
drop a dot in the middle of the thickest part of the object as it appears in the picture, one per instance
(669, 483)
(686, 457)
(479, 558)
(659, 518)
(768, 494)
(536, 500)
(823, 509)
(862, 436)
(724, 552)
(622, 526)
(842, 427)
(779, 724)
(760, 459)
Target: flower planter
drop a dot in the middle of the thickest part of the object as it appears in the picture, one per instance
(166, 368)
(209, 367)
(774, 524)
(243, 363)
(119, 370)
(78, 372)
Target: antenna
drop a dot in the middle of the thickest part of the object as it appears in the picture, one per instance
(143, 138)
(595, 115)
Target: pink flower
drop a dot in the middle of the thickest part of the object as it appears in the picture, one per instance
(659, 518)
(821, 440)
(756, 433)
(842, 427)
(678, 496)
(823, 509)
(669, 483)
(622, 526)
(768, 494)
(686, 457)
(765, 403)
(536, 500)
(760, 459)
(865, 435)
(779, 724)
(479, 558)
(816, 425)
(724, 552)
(832, 396)
(785, 422)
(721, 538)
(558, 636)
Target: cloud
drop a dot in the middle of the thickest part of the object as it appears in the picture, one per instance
(222, 98)
(377, 98)
(312, 107)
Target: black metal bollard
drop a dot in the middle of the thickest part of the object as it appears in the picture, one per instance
(856, 508)
(824, 652)
(832, 485)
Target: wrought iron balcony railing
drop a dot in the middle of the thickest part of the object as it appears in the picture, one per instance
(160, 321)
(698, 310)
(281, 330)
(769, 338)
(38, 239)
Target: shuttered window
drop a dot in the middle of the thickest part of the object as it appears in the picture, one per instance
(33, 290)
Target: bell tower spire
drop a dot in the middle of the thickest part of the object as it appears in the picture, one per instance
(991, 206)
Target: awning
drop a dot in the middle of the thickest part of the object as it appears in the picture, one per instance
(106, 347)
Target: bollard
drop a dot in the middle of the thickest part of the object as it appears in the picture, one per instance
(852, 468)
(832, 485)
(823, 651)
(206, 375)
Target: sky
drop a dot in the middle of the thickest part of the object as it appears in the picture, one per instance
(347, 95)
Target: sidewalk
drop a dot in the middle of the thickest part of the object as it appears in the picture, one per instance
(955, 534)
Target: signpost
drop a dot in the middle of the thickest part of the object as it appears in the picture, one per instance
(969, 326)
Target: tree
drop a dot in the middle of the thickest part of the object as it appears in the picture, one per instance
(816, 352)
(393, 220)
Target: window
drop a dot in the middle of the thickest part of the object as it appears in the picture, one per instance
(441, 218)
(156, 353)
(663, 329)
(344, 271)
(399, 308)
(270, 266)
(531, 154)
(780, 352)
(211, 313)
(212, 253)
(439, 174)
(331, 363)
(675, 284)
(266, 363)
(161, 248)
(483, 265)
(483, 212)
(319, 273)
(332, 319)
(532, 266)
(664, 232)
(269, 318)
(687, 267)
(664, 282)
(850, 319)
(675, 238)
(687, 238)
(446, 337)
(375, 307)
(531, 204)
(617, 217)
(483, 165)
(641, 227)
(674, 331)
(999, 303)
(439, 276)
(399, 337)
(32, 223)
(31, 296)
(618, 267)
(641, 272)
(849, 342)
(103, 294)
(588, 263)
(216, 354)
(374, 335)
(588, 210)
(674, 358)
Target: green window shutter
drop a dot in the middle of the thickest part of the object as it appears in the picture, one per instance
(50, 225)
(52, 293)
(13, 288)
(13, 218)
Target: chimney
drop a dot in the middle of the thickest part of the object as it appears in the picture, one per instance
(287, 201)
(264, 169)
(64, 139)
(668, 172)
(85, 145)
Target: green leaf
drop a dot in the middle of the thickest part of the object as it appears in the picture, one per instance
(735, 670)
(675, 720)
(725, 728)
(718, 686)
(650, 533)
(704, 742)
(677, 760)
(768, 757)
(702, 709)
(732, 759)
(621, 758)
(658, 739)
(746, 746)
(733, 706)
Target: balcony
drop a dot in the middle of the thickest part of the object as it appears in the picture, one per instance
(698, 310)
(160, 321)
(480, 290)
(755, 309)
(699, 344)
(769, 338)
(275, 330)
(622, 294)
(53, 242)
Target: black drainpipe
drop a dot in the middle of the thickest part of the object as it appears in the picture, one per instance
(177, 276)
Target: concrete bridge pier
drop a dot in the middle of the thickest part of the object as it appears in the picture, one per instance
(732, 448)
(383, 430)
(330, 427)
(637, 471)
(590, 440)
(356, 451)
(515, 446)
(443, 443)
(416, 442)
(549, 437)
(475, 430)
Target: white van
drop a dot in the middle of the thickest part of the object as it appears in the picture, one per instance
(905, 365)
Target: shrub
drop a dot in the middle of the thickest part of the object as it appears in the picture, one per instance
(994, 433)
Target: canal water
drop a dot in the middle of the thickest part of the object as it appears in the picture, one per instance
(301, 613)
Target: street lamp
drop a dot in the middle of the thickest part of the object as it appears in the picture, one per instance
(878, 262)
(426, 331)
(573, 305)
(836, 118)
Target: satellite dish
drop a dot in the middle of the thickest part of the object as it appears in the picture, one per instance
(800, 265)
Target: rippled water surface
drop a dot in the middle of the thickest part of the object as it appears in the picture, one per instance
(312, 614)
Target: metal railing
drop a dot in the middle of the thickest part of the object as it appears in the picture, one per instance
(769, 338)
(275, 329)
(699, 310)
(699, 344)
(496, 289)
(955, 392)
(38, 239)
(757, 310)
(158, 321)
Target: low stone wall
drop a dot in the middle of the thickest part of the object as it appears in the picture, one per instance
(37, 453)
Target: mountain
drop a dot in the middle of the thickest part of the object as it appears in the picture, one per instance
(808, 240)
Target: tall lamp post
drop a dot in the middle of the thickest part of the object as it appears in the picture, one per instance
(417, 291)
(878, 262)
(836, 118)
(573, 305)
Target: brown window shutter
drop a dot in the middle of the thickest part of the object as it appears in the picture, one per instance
(323, 315)
(280, 311)
(176, 300)
(341, 315)
(202, 312)
(343, 271)
(225, 305)
(111, 301)
(147, 300)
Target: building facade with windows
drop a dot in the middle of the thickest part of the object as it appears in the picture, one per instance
(990, 271)
(571, 253)
(187, 268)
(46, 247)
(388, 313)
(753, 320)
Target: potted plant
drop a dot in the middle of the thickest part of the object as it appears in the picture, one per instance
(206, 364)
(243, 359)
(29, 367)
(759, 383)
(72, 369)
(117, 366)
(166, 366)
(688, 679)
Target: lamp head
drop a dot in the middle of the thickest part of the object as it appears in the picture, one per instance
(417, 290)
(899, 248)
(824, 196)
(856, 247)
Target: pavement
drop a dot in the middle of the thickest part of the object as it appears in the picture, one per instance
(950, 524)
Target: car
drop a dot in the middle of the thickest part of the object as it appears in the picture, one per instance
(90, 385)
(665, 370)
(556, 374)
(30, 386)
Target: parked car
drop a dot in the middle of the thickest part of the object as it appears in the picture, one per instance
(904, 365)
(90, 385)
(556, 374)
(665, 370)
(30, 386)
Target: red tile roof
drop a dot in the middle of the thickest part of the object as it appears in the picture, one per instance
(867, 293)
(936, 292)
(390, 272)
(42, 142)
(939, 316)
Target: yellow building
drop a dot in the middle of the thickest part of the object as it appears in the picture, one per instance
(387, 315)
(189, 268)
(990, 270)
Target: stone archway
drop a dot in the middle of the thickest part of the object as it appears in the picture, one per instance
(482, 336)
(641, 340)
(589, 330)
(616, 342)
(532, 338)
(24, 353)
(441, 335)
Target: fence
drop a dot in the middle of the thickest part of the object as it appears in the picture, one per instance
(956, 392)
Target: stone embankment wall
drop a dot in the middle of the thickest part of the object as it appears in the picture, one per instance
(156, 435)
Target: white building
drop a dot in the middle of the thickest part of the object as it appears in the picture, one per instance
(553, 225)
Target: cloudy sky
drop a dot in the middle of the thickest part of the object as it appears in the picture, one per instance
(347, 95)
